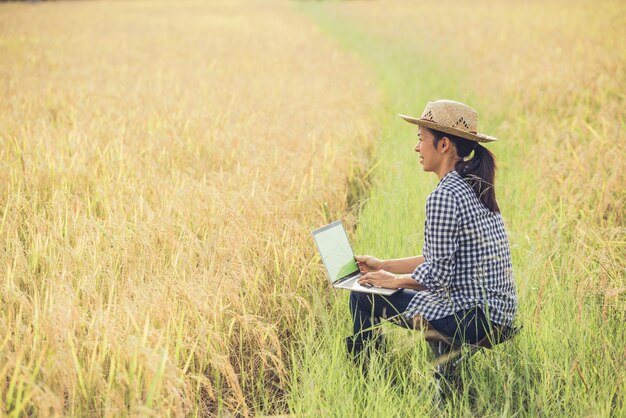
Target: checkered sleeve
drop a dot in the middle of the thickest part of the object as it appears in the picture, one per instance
(441, 240)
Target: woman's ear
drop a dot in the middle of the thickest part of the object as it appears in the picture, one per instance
(452, 147)
(445, 144)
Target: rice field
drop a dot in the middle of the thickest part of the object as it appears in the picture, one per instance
(163, 164)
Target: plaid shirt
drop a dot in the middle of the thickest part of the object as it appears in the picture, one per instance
(468, 261)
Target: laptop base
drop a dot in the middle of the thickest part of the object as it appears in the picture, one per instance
(353, 284)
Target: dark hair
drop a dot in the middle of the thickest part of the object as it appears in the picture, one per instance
(479, 171)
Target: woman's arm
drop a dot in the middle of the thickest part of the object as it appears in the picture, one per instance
(441, 238)
(383, 278)
(402, 265)
(405, 281)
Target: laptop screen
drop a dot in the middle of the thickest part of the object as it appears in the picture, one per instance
(335, 250)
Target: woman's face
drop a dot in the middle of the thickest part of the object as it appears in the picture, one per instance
(430, 158)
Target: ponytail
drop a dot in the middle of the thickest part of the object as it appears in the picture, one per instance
(479, 171)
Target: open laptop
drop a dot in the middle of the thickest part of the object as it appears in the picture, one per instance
(338, 257)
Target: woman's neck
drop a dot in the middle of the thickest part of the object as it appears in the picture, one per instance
(445, 168)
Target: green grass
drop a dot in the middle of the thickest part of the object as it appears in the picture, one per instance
(568, 360)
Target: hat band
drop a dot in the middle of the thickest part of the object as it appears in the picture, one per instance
(451, 127)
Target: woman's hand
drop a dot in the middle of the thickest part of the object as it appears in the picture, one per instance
(367, 263)
(380, 278)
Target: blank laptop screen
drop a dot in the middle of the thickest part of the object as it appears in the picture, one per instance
(336, 252)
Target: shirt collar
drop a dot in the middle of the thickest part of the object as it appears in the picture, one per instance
(448, 174)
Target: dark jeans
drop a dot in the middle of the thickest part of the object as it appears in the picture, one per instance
(467, 326)
(464, 326)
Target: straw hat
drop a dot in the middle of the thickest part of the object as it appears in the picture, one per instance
(451, 117)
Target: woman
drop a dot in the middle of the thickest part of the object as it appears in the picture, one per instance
(463, 283)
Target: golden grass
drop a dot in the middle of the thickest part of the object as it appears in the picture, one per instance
(163, 164)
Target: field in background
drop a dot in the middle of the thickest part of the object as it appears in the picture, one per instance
(162, 165)
(548, 79)
(164, 162)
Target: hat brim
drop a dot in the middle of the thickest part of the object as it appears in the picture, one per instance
(478, 137)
